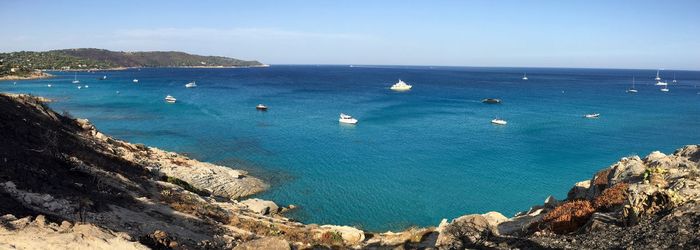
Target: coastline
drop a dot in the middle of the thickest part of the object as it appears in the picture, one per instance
(160, 183)
(176, 67)
(39, 74)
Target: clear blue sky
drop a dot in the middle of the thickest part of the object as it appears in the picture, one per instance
(606, 34)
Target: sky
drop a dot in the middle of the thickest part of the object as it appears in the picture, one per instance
(505, 33)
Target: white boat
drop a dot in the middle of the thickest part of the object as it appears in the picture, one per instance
(170, 99)
(102, 78)
(75, 78)
(659, 82)
(80, 87)
(632, 90)
(135, 80)
(596, 115)
(664, 89)
(674, 78)
(48, 85)
(499, 121)
(191, 85)
(401, 86)
(86, 86)
(347, 119)
(525, 77)
(261, 107)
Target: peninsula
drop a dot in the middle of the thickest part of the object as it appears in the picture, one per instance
(30, 64)
(66, 185)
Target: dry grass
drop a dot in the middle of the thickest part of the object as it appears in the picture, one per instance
(612, 197)
(188, 203)
(567, 217)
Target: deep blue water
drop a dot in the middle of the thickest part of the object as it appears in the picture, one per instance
(415, 157)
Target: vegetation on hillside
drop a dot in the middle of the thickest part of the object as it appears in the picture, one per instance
(25, 62)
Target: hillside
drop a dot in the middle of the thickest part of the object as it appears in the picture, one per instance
(24, 62)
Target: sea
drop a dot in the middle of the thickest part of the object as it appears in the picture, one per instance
(415, 157)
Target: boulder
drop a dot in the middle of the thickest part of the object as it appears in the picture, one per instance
(579, 190)
(627, 170)
(464, 232)
(268, 243)
(690, 151)
(656, 155)
(261, 206)
(85, 124)
(351, 235)
(550, 202)
(494, 218)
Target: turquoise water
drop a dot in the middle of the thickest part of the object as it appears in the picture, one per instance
(415, 157)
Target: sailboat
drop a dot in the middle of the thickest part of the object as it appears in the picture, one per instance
(657, 76)
(674, 78)
(75, 78)
(658, 80)
(632, 90)
(525, 77)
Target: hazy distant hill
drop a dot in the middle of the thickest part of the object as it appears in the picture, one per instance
(26, 61)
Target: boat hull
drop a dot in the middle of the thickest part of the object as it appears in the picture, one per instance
(499, 122)
(348, 121)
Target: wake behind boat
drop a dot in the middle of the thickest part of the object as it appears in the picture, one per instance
(401, 86)
(347, 119)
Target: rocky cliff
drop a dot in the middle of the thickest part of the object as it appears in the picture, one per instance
(64, 184)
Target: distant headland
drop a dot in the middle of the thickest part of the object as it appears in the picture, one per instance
(29, 64)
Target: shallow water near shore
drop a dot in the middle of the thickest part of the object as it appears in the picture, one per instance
(415, 157)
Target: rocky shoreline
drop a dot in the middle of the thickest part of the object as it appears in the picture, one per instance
(61, 178)
(38, 74)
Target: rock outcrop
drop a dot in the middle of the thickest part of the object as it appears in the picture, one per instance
(38, 233)
(650, 202)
